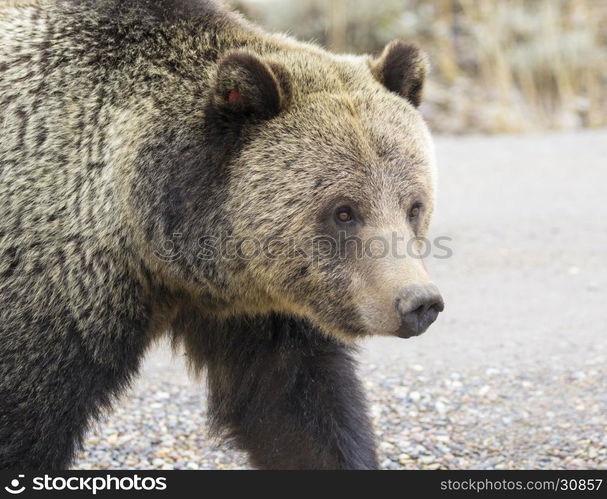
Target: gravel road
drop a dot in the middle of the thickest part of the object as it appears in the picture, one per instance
(513, 374)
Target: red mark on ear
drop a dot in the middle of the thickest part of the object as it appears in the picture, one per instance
(233, 96)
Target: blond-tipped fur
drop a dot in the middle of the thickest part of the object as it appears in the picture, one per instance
(133, 133)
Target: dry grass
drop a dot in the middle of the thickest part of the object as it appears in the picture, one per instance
(498, 65)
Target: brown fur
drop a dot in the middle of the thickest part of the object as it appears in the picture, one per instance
(121, 135)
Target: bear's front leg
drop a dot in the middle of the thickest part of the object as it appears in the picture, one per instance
(289, 396)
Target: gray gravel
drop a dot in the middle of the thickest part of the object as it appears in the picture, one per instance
(513, 374)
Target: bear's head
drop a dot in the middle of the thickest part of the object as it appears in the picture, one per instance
(304, 186)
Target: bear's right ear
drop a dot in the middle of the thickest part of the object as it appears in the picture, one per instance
(247, 86)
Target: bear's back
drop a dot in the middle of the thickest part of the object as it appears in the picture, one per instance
(76, 81)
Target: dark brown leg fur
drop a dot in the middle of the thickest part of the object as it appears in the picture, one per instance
(286, 394)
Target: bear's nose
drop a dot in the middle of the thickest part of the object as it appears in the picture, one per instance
(418, 307)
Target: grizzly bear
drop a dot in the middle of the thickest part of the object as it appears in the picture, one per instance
(168, 168)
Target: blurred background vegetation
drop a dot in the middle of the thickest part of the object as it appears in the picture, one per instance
(497, 65)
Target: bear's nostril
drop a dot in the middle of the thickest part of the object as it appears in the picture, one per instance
(419, 310)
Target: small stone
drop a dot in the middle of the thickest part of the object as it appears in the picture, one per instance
(484, 390)
(162, 453)
(441, 407)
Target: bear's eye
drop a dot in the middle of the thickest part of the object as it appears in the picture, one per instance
(414, 211)
(344, 215)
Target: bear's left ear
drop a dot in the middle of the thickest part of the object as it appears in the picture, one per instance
(247, 85)
(402, 69)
